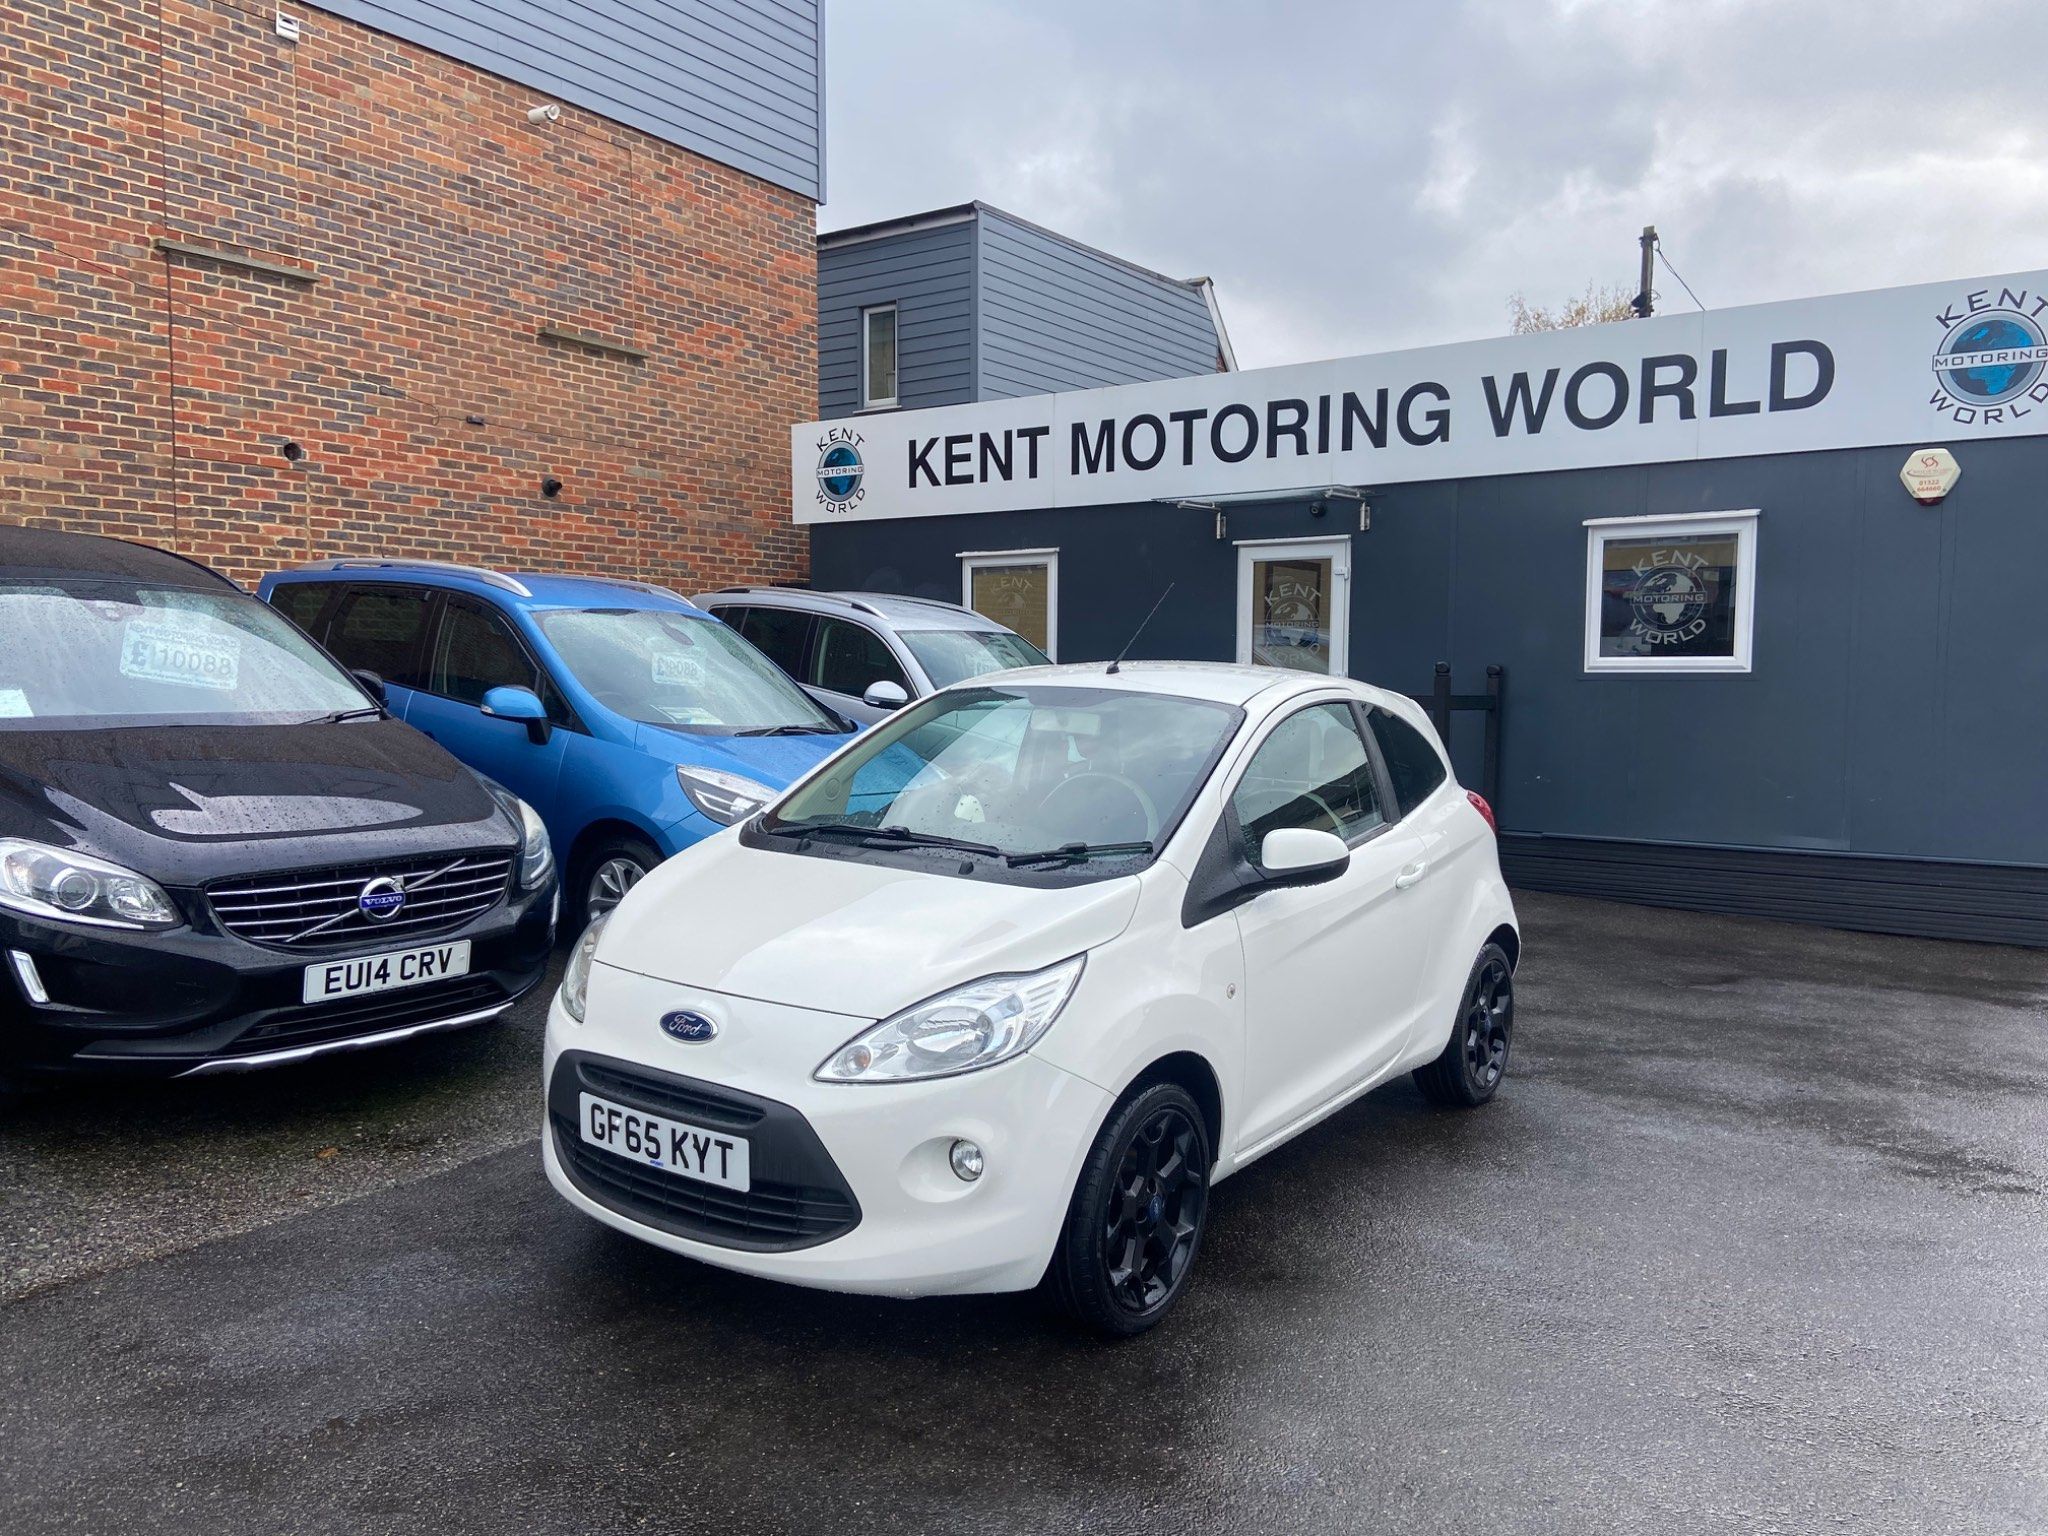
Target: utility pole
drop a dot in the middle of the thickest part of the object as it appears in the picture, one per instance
(1641, 303)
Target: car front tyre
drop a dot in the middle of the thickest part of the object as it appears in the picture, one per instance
(1474, 1059)
(1135, 1224)
(605, 873)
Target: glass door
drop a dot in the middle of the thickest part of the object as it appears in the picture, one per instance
(1293, 604)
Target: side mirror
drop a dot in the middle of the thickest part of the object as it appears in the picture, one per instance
(523, 705)
(885, 695)
(1302, 856)
(373, 685)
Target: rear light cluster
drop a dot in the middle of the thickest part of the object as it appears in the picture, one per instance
(1479, 804)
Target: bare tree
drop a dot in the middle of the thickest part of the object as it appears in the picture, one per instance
(1596, 306)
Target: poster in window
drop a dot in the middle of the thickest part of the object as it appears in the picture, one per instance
(1668, 596)
(1015, 596)
(1291, 614)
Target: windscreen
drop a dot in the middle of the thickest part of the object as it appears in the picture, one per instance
(673, 669)
(1024, 769)
(951, 656)
(96, 653)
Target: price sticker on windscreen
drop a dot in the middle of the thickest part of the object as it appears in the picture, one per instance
(678, 669)
(189, 655)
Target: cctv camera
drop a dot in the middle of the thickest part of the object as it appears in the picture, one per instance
(544, 114)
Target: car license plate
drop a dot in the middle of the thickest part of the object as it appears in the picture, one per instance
(380, 973)
(669, 1145)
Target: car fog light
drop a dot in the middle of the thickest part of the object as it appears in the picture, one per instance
(30, 978)
(966, 1160)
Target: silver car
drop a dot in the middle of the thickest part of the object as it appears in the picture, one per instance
(867, 654)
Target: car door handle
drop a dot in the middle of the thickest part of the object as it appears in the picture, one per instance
(1411, 874)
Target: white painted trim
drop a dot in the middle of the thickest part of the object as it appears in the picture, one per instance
(1742, 524)
(985, 559)
(895, 325)
(862, 234)
(1229, 352)
(1338, 550)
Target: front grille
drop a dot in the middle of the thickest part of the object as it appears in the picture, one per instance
(316, 908)
(798, 1200)
(318, 1023)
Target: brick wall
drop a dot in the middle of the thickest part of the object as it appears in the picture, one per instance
(150, 394)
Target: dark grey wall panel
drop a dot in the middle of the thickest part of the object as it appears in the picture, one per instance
(929, 275)
(739, 81)
(1055, 316)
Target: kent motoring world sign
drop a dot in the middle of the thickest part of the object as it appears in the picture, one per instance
(1945, 361)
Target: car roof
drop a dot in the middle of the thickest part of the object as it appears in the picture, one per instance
(41, 554)
(893, 608)
(1220, 681)
(523, 589)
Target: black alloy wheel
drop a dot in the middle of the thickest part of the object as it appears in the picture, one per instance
(1135, 1224)
(1476, 1056)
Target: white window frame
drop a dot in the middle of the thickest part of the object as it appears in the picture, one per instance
(972, 560)
(1600, 530)
(1338, 552)
(896, 327)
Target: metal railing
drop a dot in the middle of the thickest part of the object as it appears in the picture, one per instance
(1441, 703)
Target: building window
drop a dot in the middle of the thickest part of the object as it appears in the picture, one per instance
(1019, 589)
(878, 357)
(1670, 594)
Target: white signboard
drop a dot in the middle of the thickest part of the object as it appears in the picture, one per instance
(1950, 361)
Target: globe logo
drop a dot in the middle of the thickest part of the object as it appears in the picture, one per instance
(839, 474)
(1668, 598)
(1988, 359)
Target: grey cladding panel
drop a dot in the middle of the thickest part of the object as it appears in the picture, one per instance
(738, 81)
(1058, 316)
(928, 274)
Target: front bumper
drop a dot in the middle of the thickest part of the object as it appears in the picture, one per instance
(196, 1000)
(888, 1215)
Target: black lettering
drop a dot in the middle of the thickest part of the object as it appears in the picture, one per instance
(611, 1124)
(1251, 433)
(1438, 416)
(1100, 454)
(597, 1120)
(958, 446)
(1031, 435)
(1322, 424)
(1295, 427)
(700, 1144)
(1132, 460)
(1533, 407)
(1186, 421)
(1718, 403)
(994, 457)
(921, 462)
(724, 1158)
(1823, 374)
(1679, 389)
(1575, 412)
(677, 1148)
(1355, 415)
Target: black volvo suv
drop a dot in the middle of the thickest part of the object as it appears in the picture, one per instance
(217, 851)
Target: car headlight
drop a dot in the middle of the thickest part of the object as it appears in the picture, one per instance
(724, 797)
(536, 853)
(77, 888)
(576, 975)
(964, 1030)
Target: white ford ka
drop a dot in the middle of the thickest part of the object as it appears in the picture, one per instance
(1000, 992)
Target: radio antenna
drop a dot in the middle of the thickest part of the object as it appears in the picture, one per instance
(1120, 655)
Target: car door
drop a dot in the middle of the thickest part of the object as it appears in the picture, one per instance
(1332, 971)
(847, 659)
(475, 649)
(383, 628)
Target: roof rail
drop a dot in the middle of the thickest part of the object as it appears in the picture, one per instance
(492, 578)
(905, 597)
(640, 586)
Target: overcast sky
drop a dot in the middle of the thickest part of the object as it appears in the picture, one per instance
(1361, 175)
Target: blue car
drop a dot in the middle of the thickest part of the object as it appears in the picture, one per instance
(634, 723)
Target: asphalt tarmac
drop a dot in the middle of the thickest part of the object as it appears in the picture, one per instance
(1755, 1238)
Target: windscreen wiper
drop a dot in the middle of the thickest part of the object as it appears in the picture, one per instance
(1068, 853)
(350, 714)
(788, 730)
(885, 837)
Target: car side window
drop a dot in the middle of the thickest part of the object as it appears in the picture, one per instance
(1412, 763)
(852, 658)
(380, 629)
(477, 651)
(1313, 771)
(778, 633)
(301, 602)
